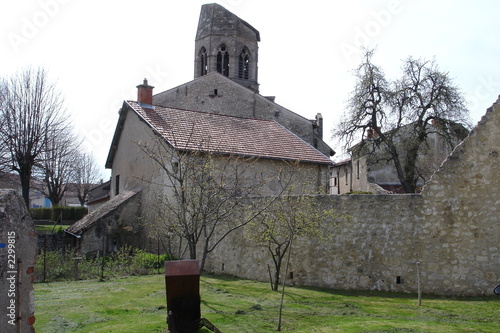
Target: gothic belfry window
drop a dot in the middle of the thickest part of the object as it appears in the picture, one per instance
(223, 60)
(244, 62)
(203, 61)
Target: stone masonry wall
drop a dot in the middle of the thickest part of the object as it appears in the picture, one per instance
(216, 93)
(17, 260)
(452, 229)
(115, 228)
(461, 212)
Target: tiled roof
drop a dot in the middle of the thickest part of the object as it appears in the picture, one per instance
(202, 131)
(87, 221)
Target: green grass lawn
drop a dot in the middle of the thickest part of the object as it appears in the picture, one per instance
(137, 304)
(48, 228)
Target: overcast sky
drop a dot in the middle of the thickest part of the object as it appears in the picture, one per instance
(97, 51)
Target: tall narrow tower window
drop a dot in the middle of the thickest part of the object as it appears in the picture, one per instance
(244, 62)
(223, 60)
(203, 62)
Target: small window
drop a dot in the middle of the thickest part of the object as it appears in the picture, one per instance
(223, 60)
(244, 64)
(203, 61)
(117, 184)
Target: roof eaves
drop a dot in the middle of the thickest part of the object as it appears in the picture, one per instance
(304, 142)
(89, 220)
(116, 136)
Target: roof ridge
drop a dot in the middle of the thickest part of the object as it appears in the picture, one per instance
(202, 112)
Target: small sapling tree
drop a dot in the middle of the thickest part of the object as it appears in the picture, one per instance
(289, 217)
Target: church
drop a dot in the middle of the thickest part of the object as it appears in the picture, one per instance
(219, 112)
(441, 241)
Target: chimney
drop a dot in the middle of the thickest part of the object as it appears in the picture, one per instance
(319, 125)
(371, 133)
(145, 93)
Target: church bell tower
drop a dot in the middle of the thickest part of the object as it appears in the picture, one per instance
(228, 45)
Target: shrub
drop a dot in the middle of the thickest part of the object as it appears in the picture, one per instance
(58, 266)
(68, 265)
(55, 213)
(41, 213)
(150, 260)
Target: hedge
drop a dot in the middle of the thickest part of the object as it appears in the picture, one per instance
(68, 213)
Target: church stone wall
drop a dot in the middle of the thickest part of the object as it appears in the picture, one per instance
(452, 230)
(218, 26)
(217, 94)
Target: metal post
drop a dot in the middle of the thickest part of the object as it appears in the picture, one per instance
(158, 258)
(104, 243)
(419, 290)
(44, 257)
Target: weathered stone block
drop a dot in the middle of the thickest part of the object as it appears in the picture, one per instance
(17, 259)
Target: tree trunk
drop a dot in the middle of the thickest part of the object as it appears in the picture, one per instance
(192, 247)
(278, 259)
(409, 180)
(277, 274)
(204, 255)
(25, 177)
(402, 171)
(283, 286)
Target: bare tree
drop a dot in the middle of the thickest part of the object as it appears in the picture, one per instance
(31, 111)
(200, 196)
(85, 175)
(57, 163)
(4, 151)
(397, 118)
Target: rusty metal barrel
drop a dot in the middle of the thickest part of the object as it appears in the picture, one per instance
(182, 280)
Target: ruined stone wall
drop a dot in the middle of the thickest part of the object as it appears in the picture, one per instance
(461, 212)
(17, 261)
(452, 229)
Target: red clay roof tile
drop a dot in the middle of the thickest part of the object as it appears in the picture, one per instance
(202, 131)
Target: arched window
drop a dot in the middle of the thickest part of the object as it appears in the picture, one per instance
(203, 62)
(244, 63)
(223, 60)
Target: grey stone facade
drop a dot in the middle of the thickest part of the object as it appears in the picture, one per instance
(452, 229)
(370, 168)
(226, 44)
(217, 94)
(233, 88)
